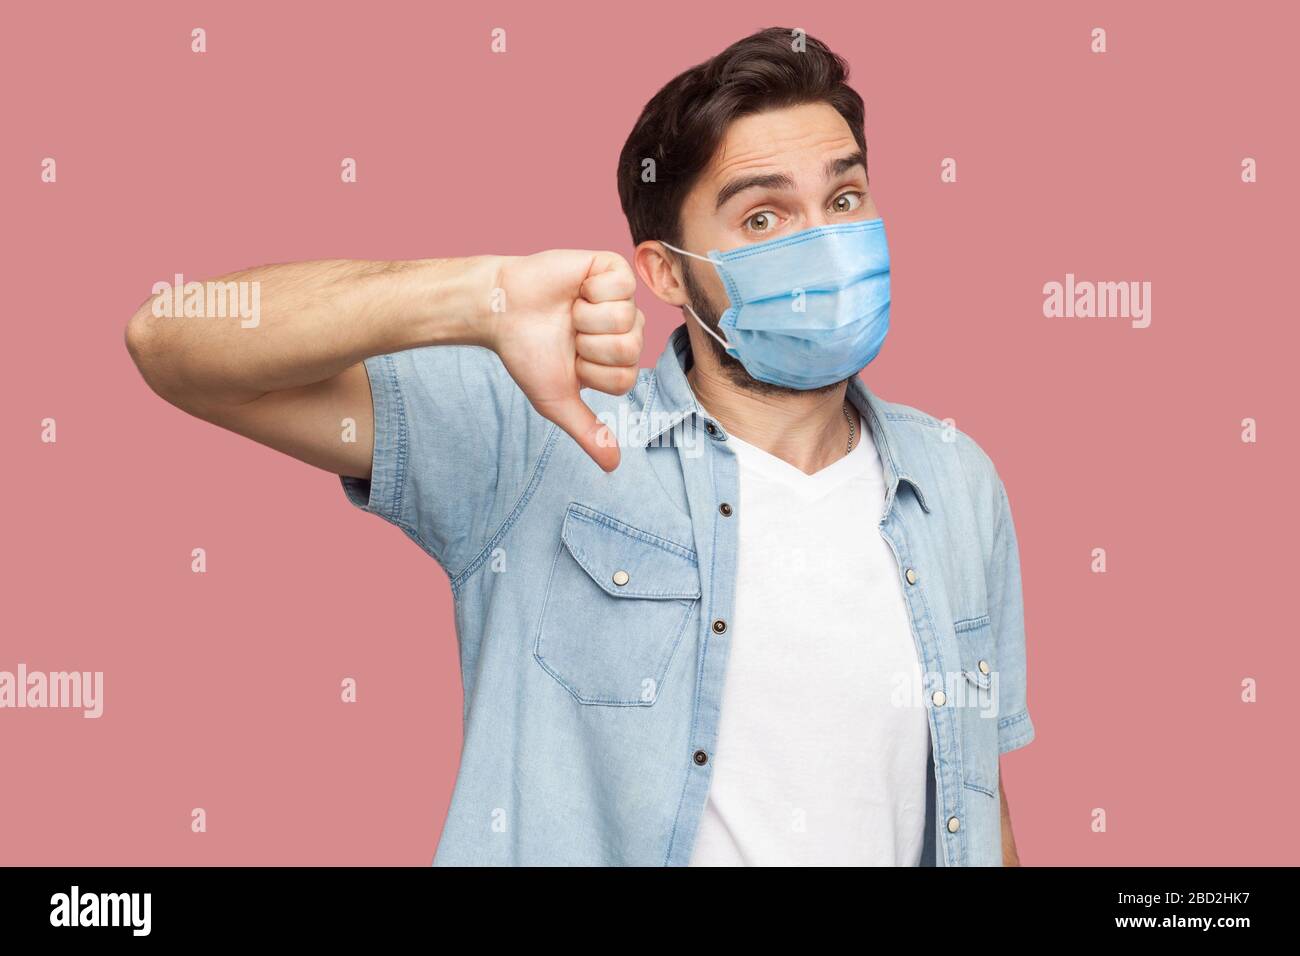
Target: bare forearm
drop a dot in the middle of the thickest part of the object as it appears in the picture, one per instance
(292, 377)
(315, 320)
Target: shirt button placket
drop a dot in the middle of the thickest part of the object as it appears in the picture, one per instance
(938, 698)
(701, 757)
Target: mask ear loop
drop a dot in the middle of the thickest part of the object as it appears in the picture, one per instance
(721, 341)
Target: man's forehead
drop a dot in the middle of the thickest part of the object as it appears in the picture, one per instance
(789, 140)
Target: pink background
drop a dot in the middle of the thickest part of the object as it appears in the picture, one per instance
(222, 689)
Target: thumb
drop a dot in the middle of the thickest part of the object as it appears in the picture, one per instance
(581, 423)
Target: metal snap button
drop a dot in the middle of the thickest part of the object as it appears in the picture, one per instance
(984, 667)
(719, 626)
(701, 758)
(911, 576)
(725, 509)
(621, 578)
(953, 824)
(939, 698)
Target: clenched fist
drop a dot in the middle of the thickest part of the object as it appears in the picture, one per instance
(569, 321)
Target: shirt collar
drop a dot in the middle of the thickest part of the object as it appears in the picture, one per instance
(670, 402)
(889, 443)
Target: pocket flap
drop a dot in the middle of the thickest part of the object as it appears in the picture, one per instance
(626, 561)
(975, 638)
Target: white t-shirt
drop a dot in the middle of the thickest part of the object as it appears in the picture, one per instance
(824, 737)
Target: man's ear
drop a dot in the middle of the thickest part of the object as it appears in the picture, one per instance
(659, 271)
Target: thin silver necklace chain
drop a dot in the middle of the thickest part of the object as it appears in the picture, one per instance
(853, 427)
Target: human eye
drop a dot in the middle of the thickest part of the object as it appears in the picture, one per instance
(760, 223)
(849, 201)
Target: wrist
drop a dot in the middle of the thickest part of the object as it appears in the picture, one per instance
(454, 299)
(492, 301)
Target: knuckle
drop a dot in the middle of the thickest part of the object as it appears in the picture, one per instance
(628, 350)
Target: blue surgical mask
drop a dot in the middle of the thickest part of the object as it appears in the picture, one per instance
(808, 309)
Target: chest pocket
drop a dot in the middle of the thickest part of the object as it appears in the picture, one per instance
(617, 602)
(979, 716)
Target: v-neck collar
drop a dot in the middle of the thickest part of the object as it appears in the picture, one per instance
(855, 464)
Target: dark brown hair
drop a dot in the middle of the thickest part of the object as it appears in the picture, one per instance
(682, 125)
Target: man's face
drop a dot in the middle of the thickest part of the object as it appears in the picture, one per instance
(775, 173)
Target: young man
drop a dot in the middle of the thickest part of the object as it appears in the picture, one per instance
(752, 614)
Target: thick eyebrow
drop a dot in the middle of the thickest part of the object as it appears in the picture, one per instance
(838, 167)
(834, 168)
(770, 181)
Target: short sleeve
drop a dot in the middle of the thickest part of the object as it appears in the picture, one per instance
(455, 439)
(1007, 618)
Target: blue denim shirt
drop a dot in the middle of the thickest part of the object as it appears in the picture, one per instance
(593, 609)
